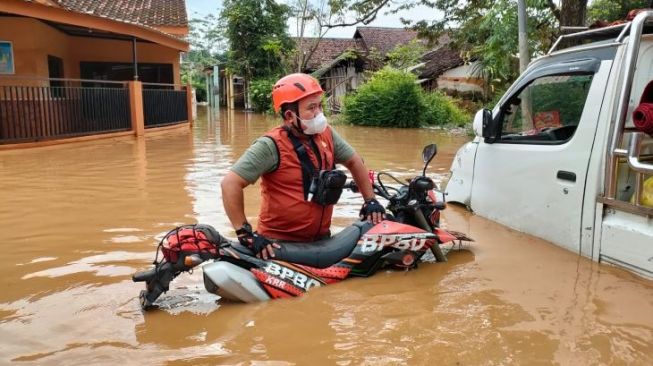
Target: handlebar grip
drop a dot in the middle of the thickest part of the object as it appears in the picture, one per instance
(352, 186)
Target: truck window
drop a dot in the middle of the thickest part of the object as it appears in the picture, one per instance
(547, 111)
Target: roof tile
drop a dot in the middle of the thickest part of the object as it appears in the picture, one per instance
(146, 12)
(327, 50)
(384, 39)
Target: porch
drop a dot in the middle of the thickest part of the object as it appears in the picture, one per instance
(65, 74)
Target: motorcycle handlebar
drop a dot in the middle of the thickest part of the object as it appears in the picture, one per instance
(377, 190)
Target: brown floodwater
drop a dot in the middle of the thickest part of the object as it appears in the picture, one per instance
(77, 220)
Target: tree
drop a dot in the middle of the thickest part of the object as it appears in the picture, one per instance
(573, 13)
(487, 30)
(611, 10)
(405, 55)
(257, 36)
(324, 15)
(206, 49)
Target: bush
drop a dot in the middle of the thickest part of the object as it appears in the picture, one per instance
(260, 91)
(389, 99)
(441, 110)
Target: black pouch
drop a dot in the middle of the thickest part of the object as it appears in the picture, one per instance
(326, 188)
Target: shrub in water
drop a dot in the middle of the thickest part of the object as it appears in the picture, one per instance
(389, 99)
(441, 110)
(260, 91)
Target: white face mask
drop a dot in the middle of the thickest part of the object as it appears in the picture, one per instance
(314, 126)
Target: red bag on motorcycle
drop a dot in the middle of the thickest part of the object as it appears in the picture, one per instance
(191, 239)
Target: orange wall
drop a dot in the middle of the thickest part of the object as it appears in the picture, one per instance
(33, 41)
(104, 50)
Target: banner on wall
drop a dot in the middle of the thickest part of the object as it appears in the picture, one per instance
(6, 58)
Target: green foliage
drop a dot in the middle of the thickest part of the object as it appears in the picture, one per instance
(261, 93)
(441, 110)
(389, 99)
(314, 18)
(493, 39)
(205, 51)
(406, 55)
(487, 31)
(257, 34)
(611, 10)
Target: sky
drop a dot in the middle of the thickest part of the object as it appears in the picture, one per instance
(201, 8)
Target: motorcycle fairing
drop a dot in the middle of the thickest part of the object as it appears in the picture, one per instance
(392, 227)
(443, 236)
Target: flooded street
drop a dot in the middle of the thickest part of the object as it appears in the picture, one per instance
(78, 220)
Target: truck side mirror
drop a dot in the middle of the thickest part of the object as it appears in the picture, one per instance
(484, 125)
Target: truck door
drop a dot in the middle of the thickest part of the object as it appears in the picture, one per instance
(532, 177)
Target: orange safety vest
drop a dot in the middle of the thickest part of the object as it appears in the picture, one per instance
(285, 213)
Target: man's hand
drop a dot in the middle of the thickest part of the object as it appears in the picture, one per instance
(262, 246)
(372, 211)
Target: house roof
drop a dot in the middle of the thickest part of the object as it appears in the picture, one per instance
(327, 50)
(331, 51)
(148, 12)
(56, 13)
(440, 60)
(384, 39)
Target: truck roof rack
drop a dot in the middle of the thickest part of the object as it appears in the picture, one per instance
(614, 32)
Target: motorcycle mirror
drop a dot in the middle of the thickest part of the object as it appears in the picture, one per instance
(427, 155)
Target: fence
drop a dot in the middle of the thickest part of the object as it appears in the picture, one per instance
(164, 104)
(38, 109)
(42, 109)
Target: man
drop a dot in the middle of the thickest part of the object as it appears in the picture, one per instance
(288, 159)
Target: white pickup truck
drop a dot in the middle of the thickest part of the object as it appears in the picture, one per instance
(559, 156)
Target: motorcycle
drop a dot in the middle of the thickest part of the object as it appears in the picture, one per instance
(235, 273)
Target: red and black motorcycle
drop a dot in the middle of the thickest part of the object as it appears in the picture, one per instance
(359, 250)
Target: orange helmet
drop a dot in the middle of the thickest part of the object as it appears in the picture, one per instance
(292, 88)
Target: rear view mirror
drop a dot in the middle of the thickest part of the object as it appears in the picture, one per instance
(428, 154)
(484, 125)
(477, 125)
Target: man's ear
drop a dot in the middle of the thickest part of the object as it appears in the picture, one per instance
(287, 115)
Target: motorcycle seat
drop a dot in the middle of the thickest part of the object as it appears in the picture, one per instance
(319, 254)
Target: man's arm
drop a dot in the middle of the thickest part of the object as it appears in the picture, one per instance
(359, 173)
(257, 160)
(233, 198)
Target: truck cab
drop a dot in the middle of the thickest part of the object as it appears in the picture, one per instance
(559, 156)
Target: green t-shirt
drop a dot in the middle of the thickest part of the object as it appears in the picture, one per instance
(262, 157)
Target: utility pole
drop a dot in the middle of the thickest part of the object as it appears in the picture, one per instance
(523, 58)
(523, 38)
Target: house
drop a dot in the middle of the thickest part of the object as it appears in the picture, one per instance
(72, 67)
(340, 63)
(383, 39)
(444, 69)
(337, 63)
